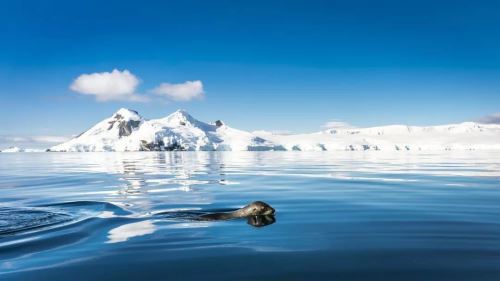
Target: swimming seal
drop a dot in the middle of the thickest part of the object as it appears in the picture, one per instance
(257, 213)
(252, 210)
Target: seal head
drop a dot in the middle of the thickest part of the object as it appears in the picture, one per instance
(257, 208)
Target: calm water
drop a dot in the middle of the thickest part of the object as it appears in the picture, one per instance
(340, 216)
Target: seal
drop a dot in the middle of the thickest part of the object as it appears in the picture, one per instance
(254, 209)
(257, 213)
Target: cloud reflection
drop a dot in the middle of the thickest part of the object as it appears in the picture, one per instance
(127, 231)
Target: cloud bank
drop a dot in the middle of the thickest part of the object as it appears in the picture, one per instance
(39, 141)
(108, 86)
(186, 91)
(490, 119)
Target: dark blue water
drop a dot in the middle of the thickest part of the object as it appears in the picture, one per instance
(340, 216)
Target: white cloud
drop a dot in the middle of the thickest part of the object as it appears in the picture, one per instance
(490, 119)
(108, 86)
(336, 124)
(186, 91)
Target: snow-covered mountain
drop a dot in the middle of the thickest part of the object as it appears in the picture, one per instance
(463, 136)
(126, 130)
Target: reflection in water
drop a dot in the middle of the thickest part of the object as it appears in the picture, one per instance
(146, 178)
(134, 180)
(259, 221)
(127, 231)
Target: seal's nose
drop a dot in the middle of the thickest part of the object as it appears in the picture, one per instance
(272, 210)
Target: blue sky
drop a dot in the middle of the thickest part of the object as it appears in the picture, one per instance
(273, 65)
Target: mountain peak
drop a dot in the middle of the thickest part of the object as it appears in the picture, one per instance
(219, 123)
(127, 113)
(180, 117)
(181, 112)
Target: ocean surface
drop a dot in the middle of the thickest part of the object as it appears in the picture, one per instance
(339, 216)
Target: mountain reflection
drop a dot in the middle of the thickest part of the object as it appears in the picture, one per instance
(151, 178)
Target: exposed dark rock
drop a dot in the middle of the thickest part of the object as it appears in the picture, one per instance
(322, 147)
(258, 148)
(111, 123)
(126, 127)
(160, 146)
(259, 140)
(279, 148)
(219, 123)
(175, 147)
(79, 135)
(145, 146)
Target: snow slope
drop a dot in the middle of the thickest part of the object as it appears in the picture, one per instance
(126, 130)
(464, 136)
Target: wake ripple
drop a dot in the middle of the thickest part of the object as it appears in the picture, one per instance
(15, 220)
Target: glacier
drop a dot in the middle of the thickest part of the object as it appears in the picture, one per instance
(126, 130)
